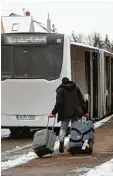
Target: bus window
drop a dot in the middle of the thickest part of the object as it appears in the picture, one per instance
(58, 58)
(6, 61)
(43, 62)
(21, 62)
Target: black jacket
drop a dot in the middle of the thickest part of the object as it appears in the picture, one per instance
(70, 103)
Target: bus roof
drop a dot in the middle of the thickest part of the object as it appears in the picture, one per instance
(91, 47)
(84, 45)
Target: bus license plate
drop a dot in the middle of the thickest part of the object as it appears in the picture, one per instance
(25, 117)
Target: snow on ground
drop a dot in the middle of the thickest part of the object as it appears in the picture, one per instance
(17, 148)
(31, 155)
(22, 159)
(105, 169)
(15, 152)
(5, 133)
(101, 122)
(77, 171)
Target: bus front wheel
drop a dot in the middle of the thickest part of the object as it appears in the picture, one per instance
(19, 132)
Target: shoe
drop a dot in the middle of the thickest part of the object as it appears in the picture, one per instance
(61, 147)
(68, 150)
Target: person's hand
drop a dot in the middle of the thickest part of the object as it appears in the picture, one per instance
(51, 116)
(86, 115)
(112, 94)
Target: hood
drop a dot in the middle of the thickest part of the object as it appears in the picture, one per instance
(69, 86)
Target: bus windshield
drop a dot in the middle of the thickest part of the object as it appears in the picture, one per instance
(38, 62)
(31, 61)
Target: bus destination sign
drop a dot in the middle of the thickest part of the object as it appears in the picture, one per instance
(25, 39)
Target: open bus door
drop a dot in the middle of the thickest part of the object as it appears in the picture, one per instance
(92, 83)
(108, 76)
(112, 84)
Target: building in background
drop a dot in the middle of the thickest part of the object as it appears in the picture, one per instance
(17, 23)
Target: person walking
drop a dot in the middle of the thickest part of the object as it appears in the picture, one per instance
(70, 105)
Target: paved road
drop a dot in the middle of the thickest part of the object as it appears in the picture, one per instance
(67, 165)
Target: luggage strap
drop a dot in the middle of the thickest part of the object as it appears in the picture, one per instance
(78, 131)
(80, 140)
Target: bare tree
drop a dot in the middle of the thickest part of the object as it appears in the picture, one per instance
(94, 39)
(73, 36)
(90, 39)
(111, 47)
(98, 42)
(78, 37)
(107, 43)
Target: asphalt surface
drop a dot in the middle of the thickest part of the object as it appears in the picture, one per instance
(63, 164)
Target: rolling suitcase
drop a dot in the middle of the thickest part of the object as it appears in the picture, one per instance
(82, 136)
(44, 141)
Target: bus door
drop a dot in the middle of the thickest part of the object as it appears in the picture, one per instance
(91, 74)
(112, 84)
(108, 83)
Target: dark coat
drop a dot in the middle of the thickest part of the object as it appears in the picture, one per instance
(70, 103)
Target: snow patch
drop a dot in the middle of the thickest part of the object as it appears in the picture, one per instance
(17, 148)
(105, 169)
(5, 133)
(79, 170)
(22, 159)
(85, 169)
(101, 122)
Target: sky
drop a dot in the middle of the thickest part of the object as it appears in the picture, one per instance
(78, 16)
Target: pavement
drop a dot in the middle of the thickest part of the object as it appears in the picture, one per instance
(66, 164)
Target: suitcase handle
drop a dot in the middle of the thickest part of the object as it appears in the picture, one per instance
(51, 130)
(82, 119)
(53, 124)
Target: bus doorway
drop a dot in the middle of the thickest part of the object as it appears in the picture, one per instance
(84, 71)
(91, 77)
(112, 84)
(108, 78)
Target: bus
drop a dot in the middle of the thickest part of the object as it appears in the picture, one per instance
(32, 67)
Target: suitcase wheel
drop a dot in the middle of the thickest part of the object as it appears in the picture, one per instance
(72, 153)
(90, 150)
(40, 156)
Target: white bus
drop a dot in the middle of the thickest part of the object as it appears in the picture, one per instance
(33, 65)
